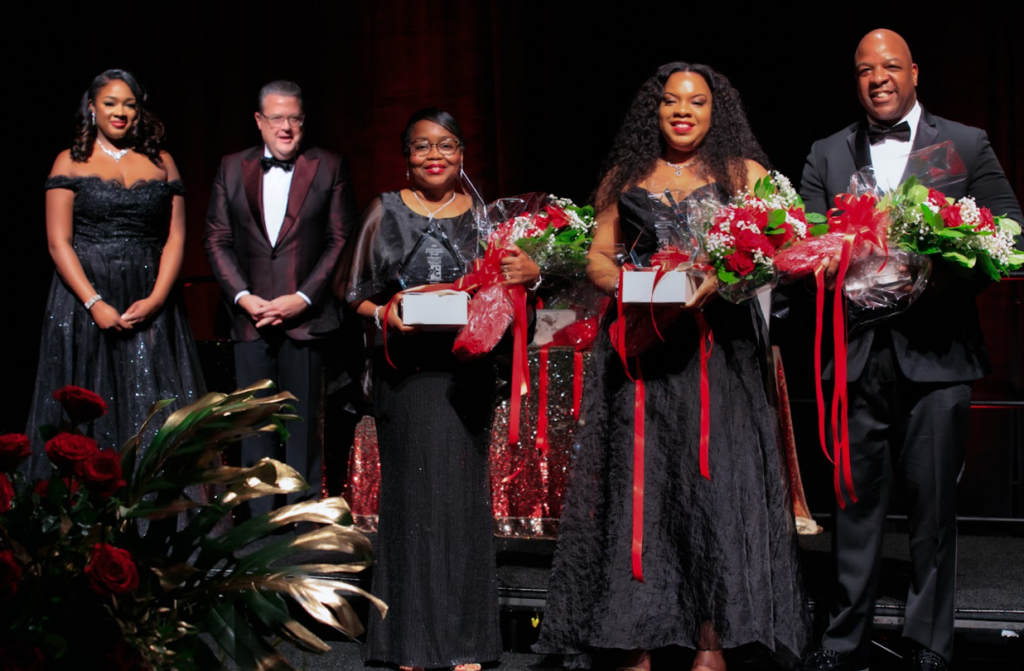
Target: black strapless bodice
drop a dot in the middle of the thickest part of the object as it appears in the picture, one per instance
(109, 213)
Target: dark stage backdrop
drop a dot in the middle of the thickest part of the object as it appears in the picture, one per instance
(539, 87)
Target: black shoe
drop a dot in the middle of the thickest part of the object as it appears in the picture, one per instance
(830, 660)
(926, 660)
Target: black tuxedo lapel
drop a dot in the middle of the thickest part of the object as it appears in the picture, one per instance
(859, 147)
(926, 131)
(305, 170)
(252, 181)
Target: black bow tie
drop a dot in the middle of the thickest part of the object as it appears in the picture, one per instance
(269, 162)
(900, 131)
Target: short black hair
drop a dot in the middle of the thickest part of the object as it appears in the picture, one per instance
(438, 116)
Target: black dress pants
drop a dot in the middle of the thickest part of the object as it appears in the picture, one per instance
(921, 429)
(297, 367)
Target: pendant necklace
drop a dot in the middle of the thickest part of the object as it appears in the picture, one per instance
(680, 167)
(430, 215)
(116, 155)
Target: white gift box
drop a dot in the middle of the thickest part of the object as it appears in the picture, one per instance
(435, 309)
(675, 286)
(550, 322)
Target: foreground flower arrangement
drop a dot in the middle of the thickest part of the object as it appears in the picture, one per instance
(121, 561)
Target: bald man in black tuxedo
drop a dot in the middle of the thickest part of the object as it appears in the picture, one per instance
(910, 376)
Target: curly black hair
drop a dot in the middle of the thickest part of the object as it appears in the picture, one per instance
(639, 143)
(146, 133)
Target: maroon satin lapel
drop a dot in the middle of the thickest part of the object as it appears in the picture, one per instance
(305, 170)
(252, 180)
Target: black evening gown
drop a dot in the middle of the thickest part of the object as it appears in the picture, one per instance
(434, 564)
(721, 550)
(119, 233)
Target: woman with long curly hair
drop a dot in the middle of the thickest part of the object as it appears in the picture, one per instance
(115, 224)
(710, 563)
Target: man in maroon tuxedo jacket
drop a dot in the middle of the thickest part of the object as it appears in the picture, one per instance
(278, 219)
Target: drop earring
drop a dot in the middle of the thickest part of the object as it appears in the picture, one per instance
(93, 118)
(407, 173)
(462, 170)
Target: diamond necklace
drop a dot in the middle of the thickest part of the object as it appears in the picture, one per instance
(117, 155)
(680, 167)
(430, 215)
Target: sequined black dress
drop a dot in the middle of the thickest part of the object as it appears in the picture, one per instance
(721, 550)
(118, 236)
(435, 564)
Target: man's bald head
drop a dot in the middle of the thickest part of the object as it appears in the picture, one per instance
(886, 76)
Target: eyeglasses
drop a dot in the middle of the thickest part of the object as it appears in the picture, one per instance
(276, 121)
(421, 148)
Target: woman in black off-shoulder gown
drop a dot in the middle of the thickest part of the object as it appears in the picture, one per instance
(719, 555)
(115, 222)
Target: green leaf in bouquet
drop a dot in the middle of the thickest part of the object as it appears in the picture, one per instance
(1007, 225)
(932, 218)
(961, 259)
(917, 194)
(951, 233)
(1015, 260)
(816, 218)
(908, 184)
(818, 229)
(986, 266)
(727, 276)
(776, 218)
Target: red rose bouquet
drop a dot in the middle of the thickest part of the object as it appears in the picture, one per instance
(742, 238)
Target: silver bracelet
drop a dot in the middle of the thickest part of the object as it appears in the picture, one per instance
(92, 301)
(540, 278)
(376, 316)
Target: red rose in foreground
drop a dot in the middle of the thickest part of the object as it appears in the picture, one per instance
(43, 487)
(988, 222)
(21, 656)
(6, 493)
(14, 447)
(81, 405)
(111, 570)
(66, 449)
(101, 472)
(740, 262)
(10, 576)
(951, 216)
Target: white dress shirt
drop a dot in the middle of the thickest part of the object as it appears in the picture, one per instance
(889, 157)
(277, 182)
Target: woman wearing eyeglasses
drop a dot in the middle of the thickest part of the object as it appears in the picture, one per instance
(434, 556)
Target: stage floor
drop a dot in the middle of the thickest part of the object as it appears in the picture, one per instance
(989, 606)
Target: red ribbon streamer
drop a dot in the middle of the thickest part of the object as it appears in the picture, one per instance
(707, 341)
(542, 404)
(860, 222)
(706, 344)
(638, 475)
